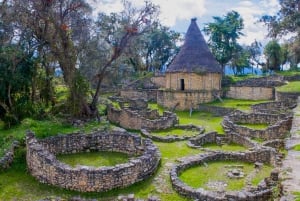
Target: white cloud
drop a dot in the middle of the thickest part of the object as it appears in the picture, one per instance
(174, 10)
(251, 12)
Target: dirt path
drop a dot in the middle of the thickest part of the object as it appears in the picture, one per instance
(291, 164)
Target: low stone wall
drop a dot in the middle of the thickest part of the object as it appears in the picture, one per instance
(273, 107)
(250, 93)
(159, 81)
(262, 193)
(173, 137)
(278, 129)
(215, 110)
(288, 97)
(184, 100)
(8, 157)
(277, 144)
(44, 166)
(214, 137)
(137, 120)
(147, 94)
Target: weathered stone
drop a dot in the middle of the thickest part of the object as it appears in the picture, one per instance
(43, 165)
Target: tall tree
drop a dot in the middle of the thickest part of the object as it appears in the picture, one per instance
(273, 55)
(54, 23)
(255, 52)
(118, 32)
(223, 34)
(240, 59)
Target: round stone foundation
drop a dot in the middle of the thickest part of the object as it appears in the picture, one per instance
(44, 166)
(261, 193)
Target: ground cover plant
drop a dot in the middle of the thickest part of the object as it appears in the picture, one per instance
(244, 105)
(175, 131)
(17, 184)
(203, 175)
(95, 159)
(255, 126)
(225, 147)
(290, 87)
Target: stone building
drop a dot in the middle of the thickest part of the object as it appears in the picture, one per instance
(194, 76)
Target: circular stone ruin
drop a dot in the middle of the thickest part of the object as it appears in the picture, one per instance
(170, 137)
(260, 193)
(279, 125)
(44, 166)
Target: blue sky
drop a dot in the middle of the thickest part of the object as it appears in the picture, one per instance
(177, 13)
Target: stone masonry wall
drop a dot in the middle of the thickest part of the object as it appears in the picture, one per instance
(184, 100)
(159, 81)
(131, 119)
(44, 166)
(277, 129)
(250, 93)
(261, 193)
(215, 110)
(287, 97)
(147, 94)
(273, 107)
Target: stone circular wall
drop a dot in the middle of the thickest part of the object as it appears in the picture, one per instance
(173, 137)
(279, 125)
(44, 166)
(261, 193)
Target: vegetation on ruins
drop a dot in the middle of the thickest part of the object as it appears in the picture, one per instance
(58, 65)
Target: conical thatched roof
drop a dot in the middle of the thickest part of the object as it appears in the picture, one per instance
(194, 55)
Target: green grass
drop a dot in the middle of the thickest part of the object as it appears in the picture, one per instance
(255, 126)
(175, 131)
(242, 77)
(199, 176)
(207, 120)
(288, 72)
(290, 87)
(225, 147)
(95, 159)
(244, 105)
(297, 147)
(155, 106)
(297, 196)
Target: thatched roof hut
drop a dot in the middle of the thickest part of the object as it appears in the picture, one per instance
(194, 56)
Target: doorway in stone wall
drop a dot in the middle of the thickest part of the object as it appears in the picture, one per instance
(182, 84)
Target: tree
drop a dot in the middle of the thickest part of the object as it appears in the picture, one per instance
(118, 32)
(273, 55)
(240, 59)
(54, 24)
(158, 47)
(286, 20)
(255, 51)
(223, 34)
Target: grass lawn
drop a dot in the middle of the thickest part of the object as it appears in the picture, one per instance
(175, 131)
(244, 105)
(199, 176)
(297, 196)
(207, 120)
(297, 147)
(290, 87)
(95, 159)
(226, 147)
(255, 126)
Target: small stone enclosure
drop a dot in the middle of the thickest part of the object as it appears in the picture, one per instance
(44, 166)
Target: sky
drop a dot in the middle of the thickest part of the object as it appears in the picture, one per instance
(176, 14)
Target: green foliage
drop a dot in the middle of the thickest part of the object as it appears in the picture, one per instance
(223, 34)
(273, 54)
(96, 159)
(16, 69)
